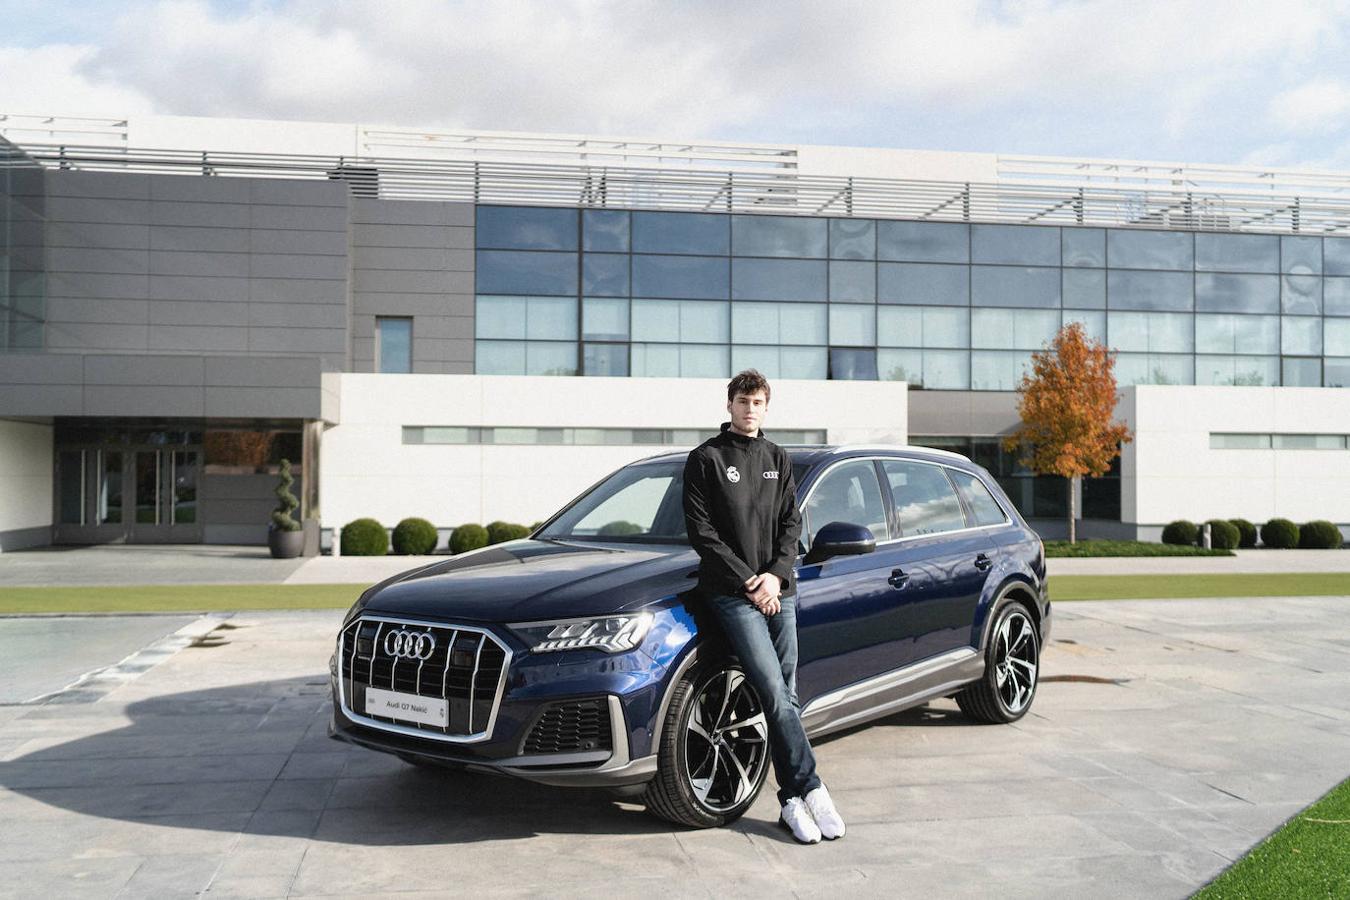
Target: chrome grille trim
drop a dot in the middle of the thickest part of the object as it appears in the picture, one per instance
(347, 686)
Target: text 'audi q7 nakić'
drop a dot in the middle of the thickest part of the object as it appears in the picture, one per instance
(581, 656)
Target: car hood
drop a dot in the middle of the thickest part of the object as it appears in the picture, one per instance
(530, 580)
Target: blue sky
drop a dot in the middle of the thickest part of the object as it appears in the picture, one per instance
(1262, 83)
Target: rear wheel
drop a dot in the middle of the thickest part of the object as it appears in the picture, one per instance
(1011, 670)
(714, 749)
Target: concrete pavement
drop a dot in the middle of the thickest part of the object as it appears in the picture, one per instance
(1168, 737)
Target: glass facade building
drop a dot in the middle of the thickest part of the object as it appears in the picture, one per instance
(944, 306)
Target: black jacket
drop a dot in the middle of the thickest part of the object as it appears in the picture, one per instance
(740, 506)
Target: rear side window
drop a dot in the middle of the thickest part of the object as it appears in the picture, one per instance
(848, 493)
(925, 502)
(982, 503)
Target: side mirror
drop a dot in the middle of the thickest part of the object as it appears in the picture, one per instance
(840, 539)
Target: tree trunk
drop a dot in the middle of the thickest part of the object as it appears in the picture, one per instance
(1073, 511)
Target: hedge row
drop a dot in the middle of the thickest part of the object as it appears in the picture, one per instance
(417, 537)
(1225, 534)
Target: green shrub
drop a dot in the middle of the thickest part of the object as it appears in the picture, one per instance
(1246, 532)
(1319, 534)
(499, 531)
(1223, 534)
(619, 528)
(1280, 534)
(414, 537)
(1180, 532)
(535, 526)
(468, 537)
(364, 537)
(286, 502)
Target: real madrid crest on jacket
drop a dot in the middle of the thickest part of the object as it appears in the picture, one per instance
(740, 506)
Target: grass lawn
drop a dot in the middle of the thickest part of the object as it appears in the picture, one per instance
(1308, 857)
(1134, 587)
(178, 597)
(1055, 549)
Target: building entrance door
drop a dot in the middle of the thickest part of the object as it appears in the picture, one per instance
(164, 487)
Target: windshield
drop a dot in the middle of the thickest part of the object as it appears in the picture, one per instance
(636, 503)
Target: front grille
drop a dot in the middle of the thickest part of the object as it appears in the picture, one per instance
(572, 726)
(466, 667)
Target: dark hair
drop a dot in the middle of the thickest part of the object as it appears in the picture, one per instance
(748, 382)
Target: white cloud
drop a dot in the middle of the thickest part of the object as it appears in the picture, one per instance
(1317, 106)
(48, 79)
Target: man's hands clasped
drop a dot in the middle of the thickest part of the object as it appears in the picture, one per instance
(763, 592)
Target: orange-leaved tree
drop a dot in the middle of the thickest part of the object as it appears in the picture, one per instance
(1066, 402)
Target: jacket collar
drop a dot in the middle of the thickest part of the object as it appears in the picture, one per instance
(740, 440)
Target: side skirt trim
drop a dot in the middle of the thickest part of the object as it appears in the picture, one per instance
(892, 691)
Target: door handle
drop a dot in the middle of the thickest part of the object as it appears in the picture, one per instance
(983, 562)
(898, 578)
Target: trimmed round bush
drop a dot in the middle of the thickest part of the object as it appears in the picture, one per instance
(619, 528)
(364, 537)
(1319, 534)
(414, 537)
(1281, 534)
(468, 537)
(1180, 532)
(1246, 532)
(499, 532)
(1223, 534)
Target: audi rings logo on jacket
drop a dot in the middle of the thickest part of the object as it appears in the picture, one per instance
(410, 644)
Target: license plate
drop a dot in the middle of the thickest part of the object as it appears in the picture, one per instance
(407, 707)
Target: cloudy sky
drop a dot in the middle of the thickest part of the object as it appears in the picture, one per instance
(1222, 81)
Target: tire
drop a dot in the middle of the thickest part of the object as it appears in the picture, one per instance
(1005, 691)
(694, 784)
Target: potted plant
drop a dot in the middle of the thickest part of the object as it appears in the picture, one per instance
(284, 537)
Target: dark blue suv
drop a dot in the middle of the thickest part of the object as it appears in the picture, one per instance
(580, 656)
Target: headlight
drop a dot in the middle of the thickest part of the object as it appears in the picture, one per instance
(613, 634)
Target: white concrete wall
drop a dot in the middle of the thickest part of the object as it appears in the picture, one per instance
(1169, 471)
(26, 481)
(366, 470)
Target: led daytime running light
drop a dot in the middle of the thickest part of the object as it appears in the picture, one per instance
(614, 634)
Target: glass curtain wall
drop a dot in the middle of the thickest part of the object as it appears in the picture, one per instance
(22, 288)
(944, 306)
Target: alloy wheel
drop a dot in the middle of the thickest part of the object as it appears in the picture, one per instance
(726, 742)
(1015, 662)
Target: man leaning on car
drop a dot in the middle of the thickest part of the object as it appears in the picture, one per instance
(740, 507)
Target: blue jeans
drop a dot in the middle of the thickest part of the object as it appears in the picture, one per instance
(767, 648)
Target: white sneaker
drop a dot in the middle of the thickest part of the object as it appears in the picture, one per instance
(798, 819)
(827, 817)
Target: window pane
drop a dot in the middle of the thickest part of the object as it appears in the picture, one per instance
(697, 278)
(1336, 372)
(853, 239)
(110, 488)
(781, 362)
(656, 320)
(1301, 335)
(1230, 370)
(696, 233)
(899, 326)
(687, 321)
(796, 236)
(1150, 250)
(1237, 293)
(801, 323)
(1300, 255)
(1094, 322)
(680, 360)
(853, 365)
(183, 506)
(1147, 368)
(997, 370)
(604, 274)
(930, 369)
(1154, 332)
(981, 502)
(656, 360)
(1149, 290)
(1237, 334)
(778, 323)
(853, 325)
(500, 317)
(70, 488)
(778, 279)
(853, 281)
(919, 284)
(605, 359)
(1308, 441)
(1015, 245)
(705, 323)
(551, 318)
(605, 229)
(1237, 253)
(512, 272)
(1297, 372)
(393, 344)
(923, 242)
(1335, 256)
(1336, 296)
(924, 500)
(1301, 294)
(1336, 337)
(1013, 329)
(1083, 247)
(604, 319)
(1014, 286)
(526, 228)
(704, 361)
(1084, 288)
(847, 493)
(499, 358)
(1220, 441)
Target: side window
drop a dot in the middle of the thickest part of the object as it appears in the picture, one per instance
(981, 502)
(848, 493)
(924, 500)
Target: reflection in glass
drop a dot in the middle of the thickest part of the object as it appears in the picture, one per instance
(853, 239)
(393, 344)
(778, 323)
(550, 358)
(686, 321)
(604, 319)
(1336, 337)
(923, 284)
(1335, 256)
(604, 229)
(1149, 290)
(1237, 253)
(1153, 332)
(998, 370)
(1094, 322)
(852, 325)
(500, 317)
(1015, 245)
(110, 488)
(849, 492)
(795, 236)
(853, 281)
(147, 488)
(1237, 370)
(1083, 247)
(923, 241)
(1337, 372)
(853, 365)
(1297, 372)
(526, 228)
(1301, 335)
(695, 278)
(685, 233)
(1301, 294)
(1150, 250)
(1154, 368)
(778, 279)
(1013, 329)
(499, 358)
(1300, 255)
(781, 362)
(925, 502)
(1014, 286)
(680, 360)
(518, 272)
(1336, 296)
(925, 326)
(184, 510)
(70, 486)
(1237, 334)
(604, 274)
(1084, 288)
(932, 369)
(1237, 293)
(605, 359)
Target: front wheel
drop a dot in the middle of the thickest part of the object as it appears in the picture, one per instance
(1011, 670)
(714, 750)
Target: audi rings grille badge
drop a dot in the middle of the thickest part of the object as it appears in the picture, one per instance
(406, 644)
